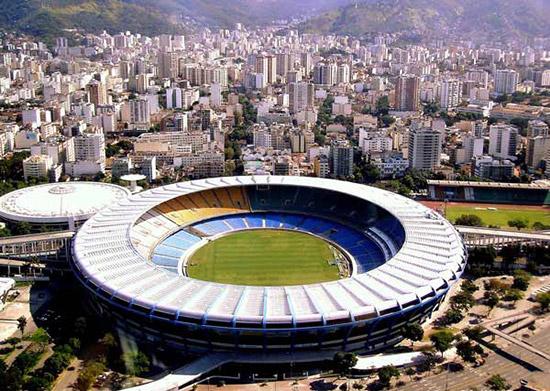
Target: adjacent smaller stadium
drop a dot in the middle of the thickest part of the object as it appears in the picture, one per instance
(267, 264)
(59, 206)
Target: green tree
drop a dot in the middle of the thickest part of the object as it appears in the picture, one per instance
(41, 338)
(413, 332)
(513, 295)
(442, 340)
(468, 286)
(382, 105)
(518, 223)
(21, 324)
(21, 228)
(543, 299)
(11, 379)
(452, 316)
(38, 383)
(473, 333)
(462, 301)
(492, 299)
(89, 374)
(521, 280)
(136, 363)
(468, 350)
(387, 120)
(497, 383)
(344, 361)
(469, 220)
(538, 226)
(385, 374)
(5, 232)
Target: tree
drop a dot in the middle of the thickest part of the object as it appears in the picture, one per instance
(21, 324)
(21, 228)
(513, 295)
(382, 105)
(518, 223)
(469, 220)
(37, 383)
(468, 286)
(89, 374)
(452, 316)
(41, 337)
(442, 340)
(543, 299)
(387, 120)
(474, 332)
(492, 299)
(344, 361)
(462, 301)
(468, 351)
(497, 383)
(521, 280)
(386, 373)
(413, 332)
(538, 226)
(136, 363)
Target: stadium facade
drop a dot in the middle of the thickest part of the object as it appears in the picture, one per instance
(132, 258)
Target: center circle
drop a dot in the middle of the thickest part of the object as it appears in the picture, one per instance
(268, 257)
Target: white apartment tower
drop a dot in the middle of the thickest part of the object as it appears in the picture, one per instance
(451, 92)
(503, 141)
(424, 149)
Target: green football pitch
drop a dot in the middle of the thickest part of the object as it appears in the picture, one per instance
(264, 257)
(499, 216)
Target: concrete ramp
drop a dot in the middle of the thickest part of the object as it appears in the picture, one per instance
(185, 375)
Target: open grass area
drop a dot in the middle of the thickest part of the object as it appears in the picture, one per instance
(264, 257)
(499, 216)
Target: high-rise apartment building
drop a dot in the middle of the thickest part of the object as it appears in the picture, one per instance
(98, 93)
(503, 141)
(301, 95)
(506, 81)
(325, 74)
(451, 92)
(424, 149)
(407, 93)
(168, 64)
(341, 159)
(266, 64)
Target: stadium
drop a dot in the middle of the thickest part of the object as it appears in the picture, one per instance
(267, 264)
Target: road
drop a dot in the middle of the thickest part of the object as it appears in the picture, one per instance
(518, 364)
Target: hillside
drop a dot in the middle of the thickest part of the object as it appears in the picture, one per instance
(252, 12)
(459, 18)
(47, 18)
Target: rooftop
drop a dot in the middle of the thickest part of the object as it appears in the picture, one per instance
(59, 202)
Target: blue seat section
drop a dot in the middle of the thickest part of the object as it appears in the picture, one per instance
(337, 206)
(273, 220)
(393, 229)
(182, 240)
(168, 253)
(346, 237)
(292, 221)
(212, 227)
(165, 261)
(162, 249)
(235, 222)
(255, 220)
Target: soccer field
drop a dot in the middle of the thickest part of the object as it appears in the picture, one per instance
(500, 215)
(264, 257)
